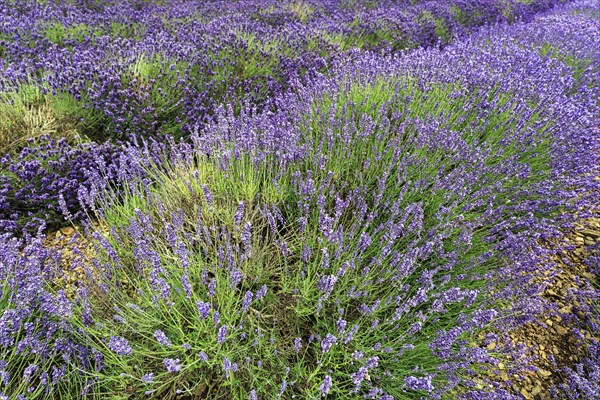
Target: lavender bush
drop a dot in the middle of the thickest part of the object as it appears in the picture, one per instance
(112, 70)
(374, 231)
(38, 344)
(341, 246)
(42, 183)
(149, 68)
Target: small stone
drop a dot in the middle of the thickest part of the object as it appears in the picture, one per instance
(536, 390)
(560, 330)
(68, 231)
(566, 310)
(591, 233)
(526, 394)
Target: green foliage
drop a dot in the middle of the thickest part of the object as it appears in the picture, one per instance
(441, 29)
(65, 36)
(464, 18)
(302, 9)
(234, 71)
(368, 4)
(57, 32)
(30, 112)
(182, 188)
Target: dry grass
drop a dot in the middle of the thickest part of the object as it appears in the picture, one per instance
(27, 114)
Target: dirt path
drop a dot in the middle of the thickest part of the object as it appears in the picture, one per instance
(553, 341)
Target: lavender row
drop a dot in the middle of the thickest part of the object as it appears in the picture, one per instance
(146, 68)
(110, 70)
(339, 246)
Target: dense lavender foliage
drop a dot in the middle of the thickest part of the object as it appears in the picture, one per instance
(376, 231)
(146, 68)
(110, 70)
(39, 345)
(42, 183)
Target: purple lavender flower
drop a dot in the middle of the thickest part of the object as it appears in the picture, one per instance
(203, 308)
(247, 301)
(246, 238)
(326, 343)
(203, 356)
(239, 214)
(229, 367)
(162, 338)
(212, 286)
(283, 387)
(341, 325)
(187, 286)
(119, 345)
(172, 364)
(419, 383)
(326, 386)
(262, 292)
(30, 371)
(350, 335)
(326, 284)
(372, 362)
(358, 378)
(297, 344)
(148, 378)
(208, 196)
(222, 334)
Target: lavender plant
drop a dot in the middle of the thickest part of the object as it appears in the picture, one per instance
(145, 68)
(41, 357)
(372, 232)
(340, 247)
(43, 183)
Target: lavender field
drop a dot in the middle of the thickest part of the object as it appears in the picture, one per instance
(299, 199)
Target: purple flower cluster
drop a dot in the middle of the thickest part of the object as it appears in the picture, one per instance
(402, 196)
(162, 338)
(172, 365)
(37, 345)
(120, 346)
(139, 67)
(47, 182)
(418, 184)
